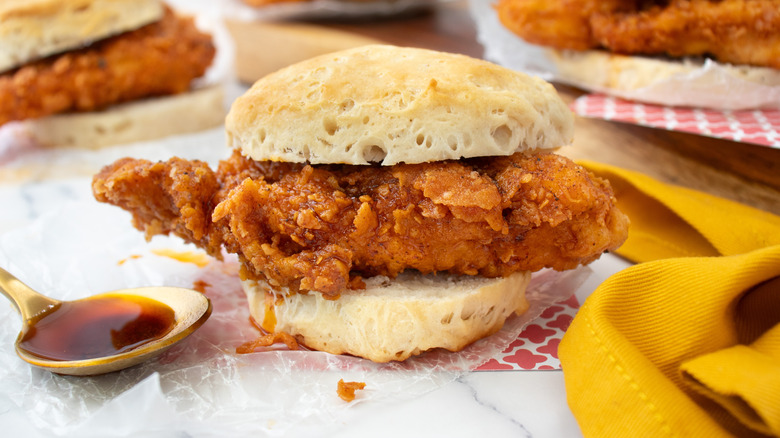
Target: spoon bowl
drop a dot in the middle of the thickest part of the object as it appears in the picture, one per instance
(186, 310)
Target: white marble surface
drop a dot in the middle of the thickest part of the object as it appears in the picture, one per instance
(490, 404)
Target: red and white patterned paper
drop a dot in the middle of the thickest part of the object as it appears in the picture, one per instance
(760, 127)
(536, 348)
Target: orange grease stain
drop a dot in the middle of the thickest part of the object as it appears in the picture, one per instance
(197, 258)
(132, 257)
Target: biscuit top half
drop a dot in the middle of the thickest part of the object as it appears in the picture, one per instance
(386, 104)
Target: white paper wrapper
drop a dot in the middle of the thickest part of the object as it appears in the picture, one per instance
(21, 157)
(20, 162)
(695, 83)
(201, 387)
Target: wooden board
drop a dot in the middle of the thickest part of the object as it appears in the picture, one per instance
(262, 48)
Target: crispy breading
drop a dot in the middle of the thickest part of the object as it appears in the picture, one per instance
(562, 24)
(346, 390)
(322, 227)
(175, 196)
(731, 31)
(266, 340)
(161, 58)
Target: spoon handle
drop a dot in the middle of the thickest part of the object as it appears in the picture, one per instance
(28, 302)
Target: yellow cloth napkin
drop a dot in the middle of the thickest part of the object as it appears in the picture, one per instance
(686, 342)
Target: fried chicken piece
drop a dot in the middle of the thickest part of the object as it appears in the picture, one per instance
(267, 340)
(320, 228)
(176, 196)
(562, 24)
(346, 390)
(159, 59)
(731, 31)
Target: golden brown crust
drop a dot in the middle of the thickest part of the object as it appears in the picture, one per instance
(266, 340)
(159, 59)
(346, 390)
(560, 24)
(171, 197)
(731, 31)
(486, 217)
(386, 104)
(315, 228)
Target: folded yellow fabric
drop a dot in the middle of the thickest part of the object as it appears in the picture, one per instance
(743, 379)
(685, 342)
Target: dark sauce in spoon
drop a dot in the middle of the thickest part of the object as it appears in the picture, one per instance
(97, 327)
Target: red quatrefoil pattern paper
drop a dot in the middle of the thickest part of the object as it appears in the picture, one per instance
(760, 127)
(536, 347)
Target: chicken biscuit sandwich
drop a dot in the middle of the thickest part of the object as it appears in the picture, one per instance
(625, 45)
(384, 201)
(91, 73)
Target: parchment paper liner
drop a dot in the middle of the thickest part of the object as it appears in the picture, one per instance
(200, 387)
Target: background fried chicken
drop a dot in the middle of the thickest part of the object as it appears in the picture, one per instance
(126, 67)
(731, 31)
(320, 228)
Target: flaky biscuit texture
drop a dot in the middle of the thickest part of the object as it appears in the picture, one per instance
(393, 319)
(386, 104)
(33, 29)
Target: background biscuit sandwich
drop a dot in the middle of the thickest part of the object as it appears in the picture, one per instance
(91, 73)
(384, 201)
(718, 54)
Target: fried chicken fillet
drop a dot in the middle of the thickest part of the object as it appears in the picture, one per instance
(732, 31)
(323, 227)
(383, 201)
(158, 59)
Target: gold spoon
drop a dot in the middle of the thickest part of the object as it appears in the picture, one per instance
(102, 333)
